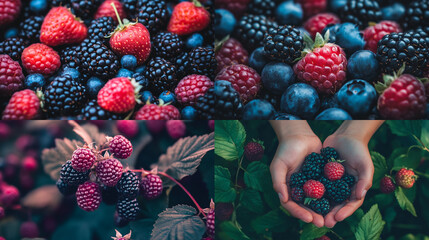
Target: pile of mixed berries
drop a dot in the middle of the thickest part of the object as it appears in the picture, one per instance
(322, 182)
(106, 59)
(323, 59)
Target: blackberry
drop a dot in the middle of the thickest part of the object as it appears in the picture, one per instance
(182, 63)
(251, 30)
(297, 180)
(202, 61)
(167, 45)
(313, 167)
(85, 8)
(262, 7)
(68, 57)
(297, 195)
(317, 157)
(66, 189)
(320, 206)
(153, 14)
(141, 80)
(96, 59)
(109, 195)
(329, 153)
(128, 208)
(30, 28)
(338, 192)
(283, 44)
(416, 14)
(349, 179)
(101, 28)
(64, 96)
(161, 75)
(93, 111)
(57, 3)
(395, 49)
(271, 98)
(128, 185)
(360, 12)
(326, 182)
(72, 177)
(13, 47)
(131, 7)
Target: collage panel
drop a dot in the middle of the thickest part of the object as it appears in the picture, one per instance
(321, 180)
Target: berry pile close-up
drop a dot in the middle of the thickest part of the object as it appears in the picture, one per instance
(106, 59)
(324, 59)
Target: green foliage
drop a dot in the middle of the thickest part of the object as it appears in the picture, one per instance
(229, 139)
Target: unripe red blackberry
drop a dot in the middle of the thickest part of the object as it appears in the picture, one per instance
(128, 128)
(82, 159)
(88, 196)
(211, 223)
(128, 185)
(120, 146)
(128, 208)
(176, 128)
(29, 229)
(9, 196)
(151, 186)
(109, 171)
(29, 164)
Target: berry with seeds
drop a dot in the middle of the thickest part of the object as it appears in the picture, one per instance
(11, 76)
(297, 195)
(283, 44)
(131, 7)
(151, 186)
(211, 222)
(118, 95)
(262, 7)
(120, 147)
(318, 22)
(39, 58)
(320, 206)
(313, 189)
(128, 185)
(312, 167)
(128, 208)
(30, 28)
(232, 52)
(416, 14)
(338, 191)
(93, 111)
(297, 180)
(251, 30)
(188, 17)
(24, 105)
(82, 159)
(387, 185)
(167, 45)
(153, 14)
(161, 75)
(9, 11)
(334, 170)
(182, 63)
(373, 34)
(254, 151)
(157, 112)
(176, 128)
(85, 8)
(405, 178)
(109, 171)
(106, 10)
(101, 28)
(66, 189)
(329, 153)
(88, 196)
(71, 177)
(350, 180)
(191, 88)
(13, 47)
(202, 61)
(360, 12)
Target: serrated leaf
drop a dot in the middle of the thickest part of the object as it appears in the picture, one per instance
(354, 219)
(405, 128)
(229, 139)
(178, 222)
(270, 220)
(380, 168)
(404, 202)
(310, 232)
(224, 192)
(183, 158)
(89, 133)
(229, 231)
(371, 225)
(425, 133)
(257, 176)
(252, 200)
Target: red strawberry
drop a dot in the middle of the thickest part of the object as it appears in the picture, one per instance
(405, 178)
(9, 11)
(61, 27)
(375, 33)
(24, 105)
(192, 87)
(106, 10)
(237, 7)
(312, 7)
(317, 23)
(158, 112)
(314, 189)
(130, 39)
(39, 58)
(188, 17)
(387, 185)
(254, 151)
(11, 76)
(231, 52)
(118, 95)
(334, 170)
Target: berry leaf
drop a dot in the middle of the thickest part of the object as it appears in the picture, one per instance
(404, 202)
(310, 232)
(406, 128)
(229, 139)
(183, 158)
(371, 225)
(257, 176)
(231, 231)
(178, 222)
(271, 220)
(380, 168)
(224, 192)
(425, 133)
(252, 200)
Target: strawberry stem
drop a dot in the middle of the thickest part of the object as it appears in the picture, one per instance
(117, 15)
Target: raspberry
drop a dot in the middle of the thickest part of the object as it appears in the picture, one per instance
(232, 52)
(253, 151)
(312, 167)
(191, 87)
(224, 211)
(39, 58)
(387, 185)
(211, 221)
(339, 191)
(9, 196)
(405, 178)
(176, 128)
(297, 194)
(329, 153)
(151, 186)
(312, 7)
(109, 171)
(350, 180)
(314, 189)
(245, 80)
(109, 195)
(121, 147)
(24, 105)
(88, 196)
(11, 77)
(128, 128)
(66, 189)
(128, 185)
(320, 206)
(334, 171)
(9, 11)
(373, 34)
(82, 159)
(29, 164)
(29, 229)
(155, 112)
(317, 23)
(128, 208)
(297, 180)
(71, 176)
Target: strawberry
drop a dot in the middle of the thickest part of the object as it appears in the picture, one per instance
(106, 10)
(9, 11)
(119, 95)
(158, 112)
(39, 58)
(387, 185)
(24, 105)
(188, 17)
(405, 178)
(334, 170)
(130, 39)
(313, 189)
(254, 151)
(62, 27)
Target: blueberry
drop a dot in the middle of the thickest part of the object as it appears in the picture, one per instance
(140, 69)
(289, 13)
(277, 77)
(328, 102)
(258, 110)
(363, 65)
(334, 114)
(73, 72)
(258, 60)
(147, 96)
(38, 6)
(93, 86)
(189, 113)
(333, 29)
(393, 12)
(35, 81)
(285, 116)
(300, 99)
(11, 32)
(357, 97)
(336, 5)
(168, 97)
(141, 80)
(129, 62)
(124, 73)
(350, 38)
(224, 23)
(194, 41)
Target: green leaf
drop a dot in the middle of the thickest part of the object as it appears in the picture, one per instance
(404, 202)
(371, 225)
(380, 168)
(310, 232)
(252, 200)
(396, 153)
(224, 192)
(257, 176)
(273, 219)
(425, 133)
(229, 139)
(354, 219)
(229, 231)
(271, 198)
(405, 128)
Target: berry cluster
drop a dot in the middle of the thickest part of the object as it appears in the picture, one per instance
(105, 60)
(324, 59)
(404, 178)
(322, 182)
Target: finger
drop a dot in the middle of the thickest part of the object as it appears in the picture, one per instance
(318, 220)
(278, 174)
(298, 211)
(348, 210)
(363, 185)
(330, 220)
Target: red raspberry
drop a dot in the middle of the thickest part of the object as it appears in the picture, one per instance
(211, 223)
(11, 77)
(29, 229)
(121, 147)
(88, 196)
(4, 131)
(23, 105)
(232, 52)
(404, 98)
(405, 178)
(334, 171)
(324, 237)
(9, 196)
(9, 11)
(254, 151)
(176, 128)
(387, 185)
(312, 7)
(297, 195)
(39, 58)
(151, 186)
(82, 159)
(118, 95)
(109, 171)
(106, 10)
(237, 7)
(128, 128)
(317, 23)
(375, 33)
(158, 112)
(192, 87)
(155, 127)
(245, 80)
(314, 189)
(29, 164)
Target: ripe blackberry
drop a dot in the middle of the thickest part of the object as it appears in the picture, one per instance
(313, 167)
(66, 189)
(120, 147)
(101, 28)
(82, 159)
(203, 62)
(68, 57)
(349, 179)
(64, 96)
(153, 14)
(283, 44)
(396, 49)
(182, 64)
(151, 186)
(88, 196)
(338, 192)
(128, 208)
(131, 7)
(13, 47)
(72, 177)
(329, 153)
(297, 180)
(128, 185)
(57, 3)
(93, 111)
(360, 12)
(262, 7)
(297, 194)
(96, 59)
(85, 8)
(251, 30)
(320, 206)
(416, 14)
(326, 182)
(271, 98)
(30, 28)
(167, 45)
(109, 195)
(161, 75)
(109, 171)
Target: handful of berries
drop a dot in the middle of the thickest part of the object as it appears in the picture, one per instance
(322, 182)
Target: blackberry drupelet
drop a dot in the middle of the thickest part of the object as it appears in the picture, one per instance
(297, 194)
(202, 61)
(153, 14)
(141, 80)
(329, 153)
(326, 182)
(64, 97)
(57, 3)
(297, 180)
(182, 64)
(92, 111)
(320, 206)
(167, 45)
(161, 75)
(360, 12)
(101, 28)
(313, 166)
(131, 7)
(68, 57)
(66, 189)
(13, 47)
(416, 14)
(271, 98)
(30, 28)
(349, 179)
(316, 157)
(72, 177)
(251, 30)
(283, 44)
(128, 185)
(262, 7)
(128, 208)
(338, 192)
(85, 8)
(109, 195)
